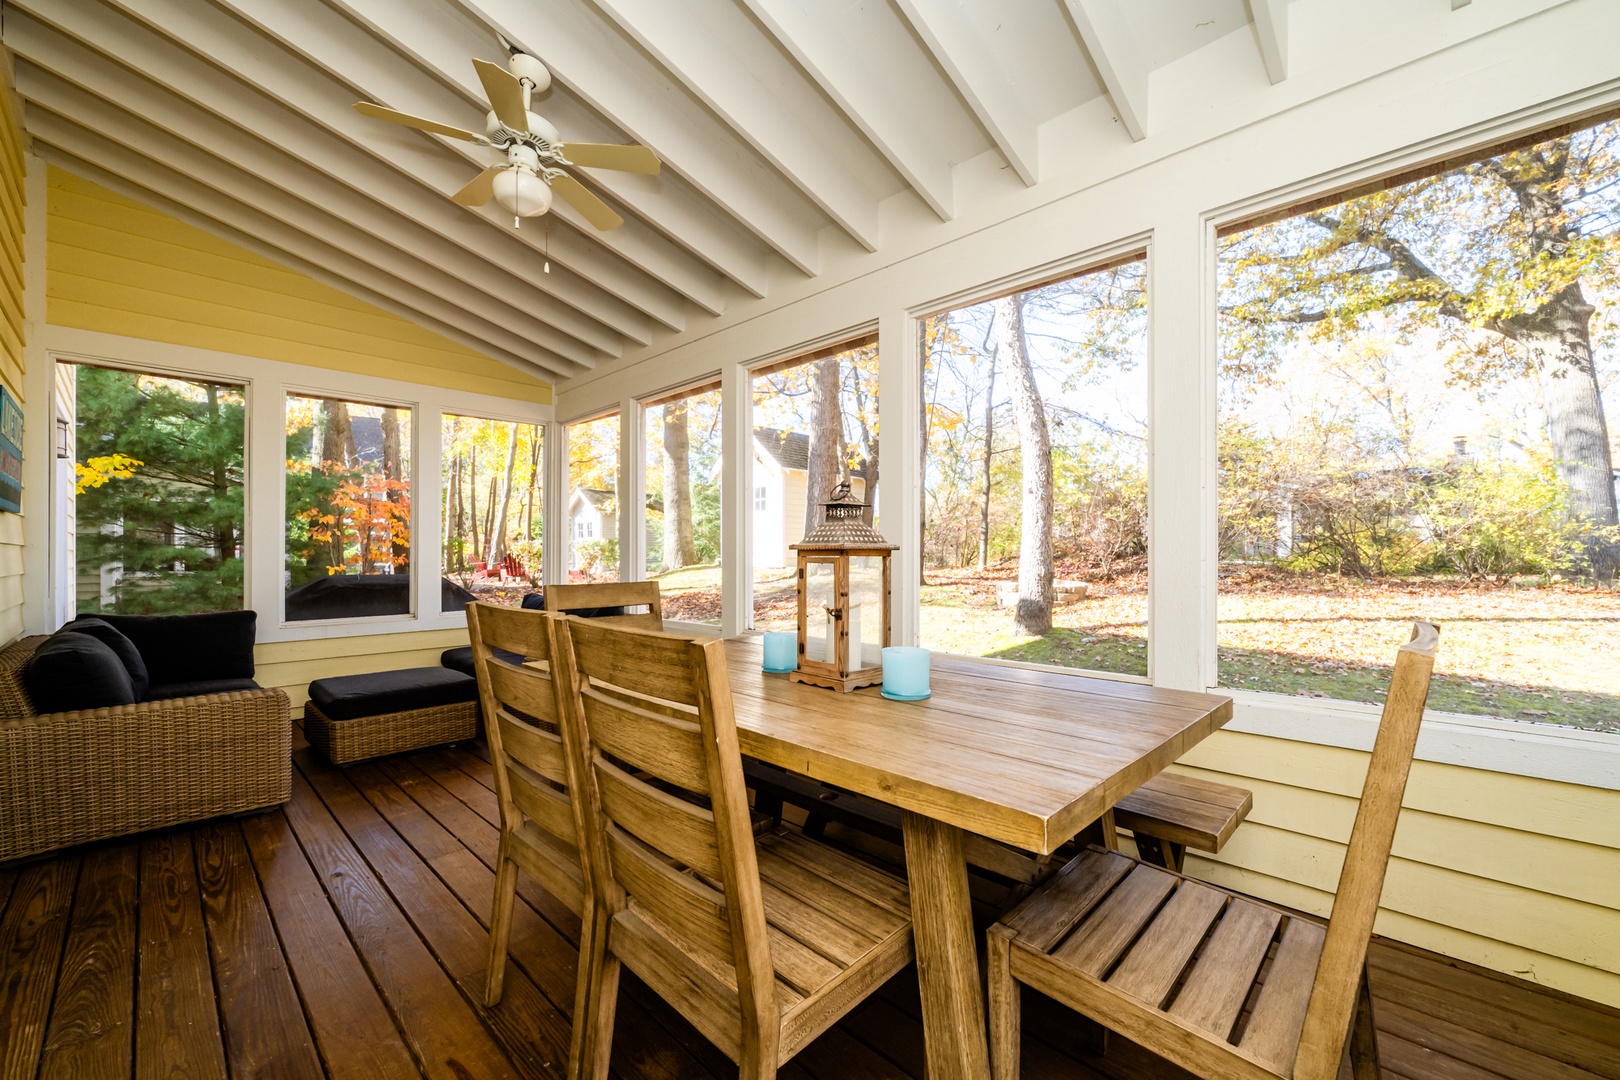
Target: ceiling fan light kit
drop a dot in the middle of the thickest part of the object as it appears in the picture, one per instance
(536, 156)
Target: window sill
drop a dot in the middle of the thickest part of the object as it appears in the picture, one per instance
(1515, 747)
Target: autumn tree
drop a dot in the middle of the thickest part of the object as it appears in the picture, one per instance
(680, 549)
(826, 439)
(1033, 616)
(1501, 258)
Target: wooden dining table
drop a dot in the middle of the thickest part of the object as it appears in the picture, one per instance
(1024, 756)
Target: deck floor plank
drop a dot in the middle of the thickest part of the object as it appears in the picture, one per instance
(352, 923)
(32, 932)
(176, 1007)
(93, 1019)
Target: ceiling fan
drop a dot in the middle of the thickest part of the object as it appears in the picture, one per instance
(535, 152)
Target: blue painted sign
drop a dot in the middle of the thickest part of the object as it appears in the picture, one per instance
(11, 440)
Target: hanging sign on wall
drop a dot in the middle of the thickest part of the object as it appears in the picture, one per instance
(11, 439)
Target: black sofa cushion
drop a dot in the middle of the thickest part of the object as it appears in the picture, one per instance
(534, 601)
(349, 697)
(462, 659)
(121, 646)
(76, 671)
(169, 691)
(191, 648)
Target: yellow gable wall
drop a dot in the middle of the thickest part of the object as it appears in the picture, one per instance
(12, 202)
(118, 267)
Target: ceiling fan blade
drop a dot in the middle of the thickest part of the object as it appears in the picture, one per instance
(635, 159)
(578, 196)
(505, 95)
(394, 116)
(480, 189)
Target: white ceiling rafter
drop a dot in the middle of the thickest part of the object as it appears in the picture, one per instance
(751, 108)
(1271, 33)
(439, 41)
(973, 69)
(612, 76)
(243, 52)
(120, 184)
(521, 303)
(884, 121)
(1119, 62)
(404, 286)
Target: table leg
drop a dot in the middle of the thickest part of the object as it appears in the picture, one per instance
(947, 964)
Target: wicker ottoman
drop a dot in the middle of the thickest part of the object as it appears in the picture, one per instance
(354, 717)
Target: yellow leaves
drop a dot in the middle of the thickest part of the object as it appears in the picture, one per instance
(99, 470)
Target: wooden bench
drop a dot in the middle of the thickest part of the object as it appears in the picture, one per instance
(1166, 815)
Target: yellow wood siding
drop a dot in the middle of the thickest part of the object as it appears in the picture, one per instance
(118, 267)
(293, 665)
(1510, 872)
(12, 205)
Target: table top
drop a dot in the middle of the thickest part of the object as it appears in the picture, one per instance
(1028, 757)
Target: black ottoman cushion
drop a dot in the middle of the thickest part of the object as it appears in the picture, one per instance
(199, 687)
(462, 659)
(350, 697)
(76, 671)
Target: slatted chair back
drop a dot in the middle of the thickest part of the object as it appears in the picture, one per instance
(670, 835)
(528, 743)
(584, 599)
(1361, 883)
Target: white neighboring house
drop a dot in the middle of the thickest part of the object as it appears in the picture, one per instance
(781, 469)
(587, 520)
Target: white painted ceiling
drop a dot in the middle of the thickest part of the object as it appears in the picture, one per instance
(777, 122)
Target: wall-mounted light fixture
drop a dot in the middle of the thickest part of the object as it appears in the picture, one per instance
(64, 438)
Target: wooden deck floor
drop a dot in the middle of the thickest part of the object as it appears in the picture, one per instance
(344, 936)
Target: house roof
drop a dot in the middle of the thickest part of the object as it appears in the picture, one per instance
(595, 496)
(791, 449)
(267, 150)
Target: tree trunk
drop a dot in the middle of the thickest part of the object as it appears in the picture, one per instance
(1562, 349)
(471, 481)
(452, 514)
(497, 533)
(534, 479)
(826, 433)
(337, 456)
(399, 553)
(679, 547)
(989, 450)
(1033, 616)
(225, 532)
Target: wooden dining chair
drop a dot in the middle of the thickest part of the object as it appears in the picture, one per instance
(1224, 986)
(761, 946)
(535, 764)
(589, 601)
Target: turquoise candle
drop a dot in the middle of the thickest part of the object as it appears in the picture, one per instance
(905, 673)
(781, 650)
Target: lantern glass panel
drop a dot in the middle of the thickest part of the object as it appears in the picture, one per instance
(820, 598)
(866, 611)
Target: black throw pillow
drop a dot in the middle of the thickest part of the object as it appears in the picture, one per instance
(121, 646)
(76, 671)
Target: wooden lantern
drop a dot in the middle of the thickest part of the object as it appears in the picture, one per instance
(843, 588)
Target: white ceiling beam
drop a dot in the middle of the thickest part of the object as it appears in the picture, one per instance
(886, 122)
(613, 77)
(370, 68)
(1271, 33)
(521, 307)
(1124, 71)
(236, 183)
(180, 211)
(162, 177)
(1458, 5)
(973, 70)
(751, 107)
(241, 51)
(441, 42)
(297, 156)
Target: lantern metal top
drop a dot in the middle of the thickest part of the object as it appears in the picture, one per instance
(843, 526)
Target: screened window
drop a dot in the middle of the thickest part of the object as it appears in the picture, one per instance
(683, 502)
(814, 426)
(1416, 393)
(1034, 456)
(593, 499)
(491, 494)
(348, 528)
(159, 512)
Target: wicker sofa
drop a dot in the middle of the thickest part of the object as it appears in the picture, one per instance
(71, 777)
